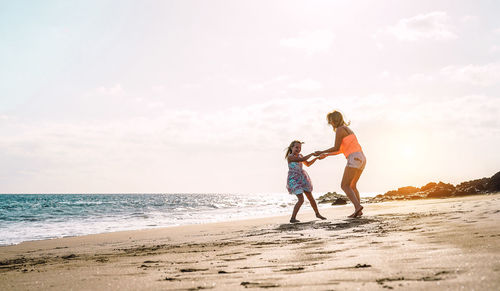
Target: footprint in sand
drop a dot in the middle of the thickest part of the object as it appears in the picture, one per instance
(322, 252)
(253, 254)
(234, 259)
(259, 285)
(362, 266)
(228, 254)
(292, 269)
(188, 270)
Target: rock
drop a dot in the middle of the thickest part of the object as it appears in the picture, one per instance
(408, 190)
(430, 190)
(330, 197)
(391, 193)
(439, 193)
(415, 197)
(402, 192)
(472, 187)
(441, 190)
(494, 183)
(339, 201)
(428, 186)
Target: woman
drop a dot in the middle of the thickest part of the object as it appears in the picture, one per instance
(347, 143)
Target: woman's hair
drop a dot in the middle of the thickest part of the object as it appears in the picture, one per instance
(289, 149)
(336, 119)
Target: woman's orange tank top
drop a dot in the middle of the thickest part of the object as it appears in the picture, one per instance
(350, 145)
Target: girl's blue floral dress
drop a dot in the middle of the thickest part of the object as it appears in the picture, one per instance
(298, 180)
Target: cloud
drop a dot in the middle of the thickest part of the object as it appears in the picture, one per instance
(469, 19)
(384, 75)
(158, 89)
(477, 75)
(435, 25)
(163, 153)
(494, 49)
(115, 90)
(421, 77)
(482, 75)
(262, 125)
(312, 42)
(470, 115)
(307, 85)
(262, 85)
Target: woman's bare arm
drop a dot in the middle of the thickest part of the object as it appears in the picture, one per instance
(335, 150)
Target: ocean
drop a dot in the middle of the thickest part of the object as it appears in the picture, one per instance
(27, 217)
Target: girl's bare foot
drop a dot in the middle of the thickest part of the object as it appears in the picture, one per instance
(294, 220)
(320, 216)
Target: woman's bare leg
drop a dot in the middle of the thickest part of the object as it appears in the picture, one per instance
(313, 204)
(296, 208)
(349, 174)
(354, 186)
(354, 183)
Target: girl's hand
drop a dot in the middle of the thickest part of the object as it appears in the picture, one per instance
(309, 163)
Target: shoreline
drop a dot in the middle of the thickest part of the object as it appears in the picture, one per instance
(323, 205)
(54, 216)
(433, 243)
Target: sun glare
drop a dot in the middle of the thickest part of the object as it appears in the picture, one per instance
(408, 152)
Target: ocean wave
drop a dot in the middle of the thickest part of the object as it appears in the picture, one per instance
(47, 216)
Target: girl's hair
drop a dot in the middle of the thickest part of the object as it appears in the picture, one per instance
(289, 149)
(336, 119)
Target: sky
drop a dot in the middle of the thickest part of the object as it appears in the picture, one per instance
(189, 96)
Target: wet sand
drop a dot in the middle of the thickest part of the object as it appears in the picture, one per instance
(440, 244)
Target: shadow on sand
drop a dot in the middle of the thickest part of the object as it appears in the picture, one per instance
(326, 225)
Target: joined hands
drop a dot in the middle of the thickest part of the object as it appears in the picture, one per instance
(319, 155)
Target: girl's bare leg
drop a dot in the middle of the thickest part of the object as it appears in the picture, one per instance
(314, 205)
(349, 174)
(296, 208)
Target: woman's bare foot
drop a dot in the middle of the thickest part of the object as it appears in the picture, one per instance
(356, 213)
(294, 220)
(320, 216)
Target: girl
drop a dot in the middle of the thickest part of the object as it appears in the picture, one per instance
(347, 143)
(298, 181)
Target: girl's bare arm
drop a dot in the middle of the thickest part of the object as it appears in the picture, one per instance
(298, 159)
(309, 163)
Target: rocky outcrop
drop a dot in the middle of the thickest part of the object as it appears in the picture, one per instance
(472, 187)
(494, 183)
(335, 198)
(332, 197)
(441, 190)
(340, 201)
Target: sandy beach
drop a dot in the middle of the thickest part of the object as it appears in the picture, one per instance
(438, 244)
